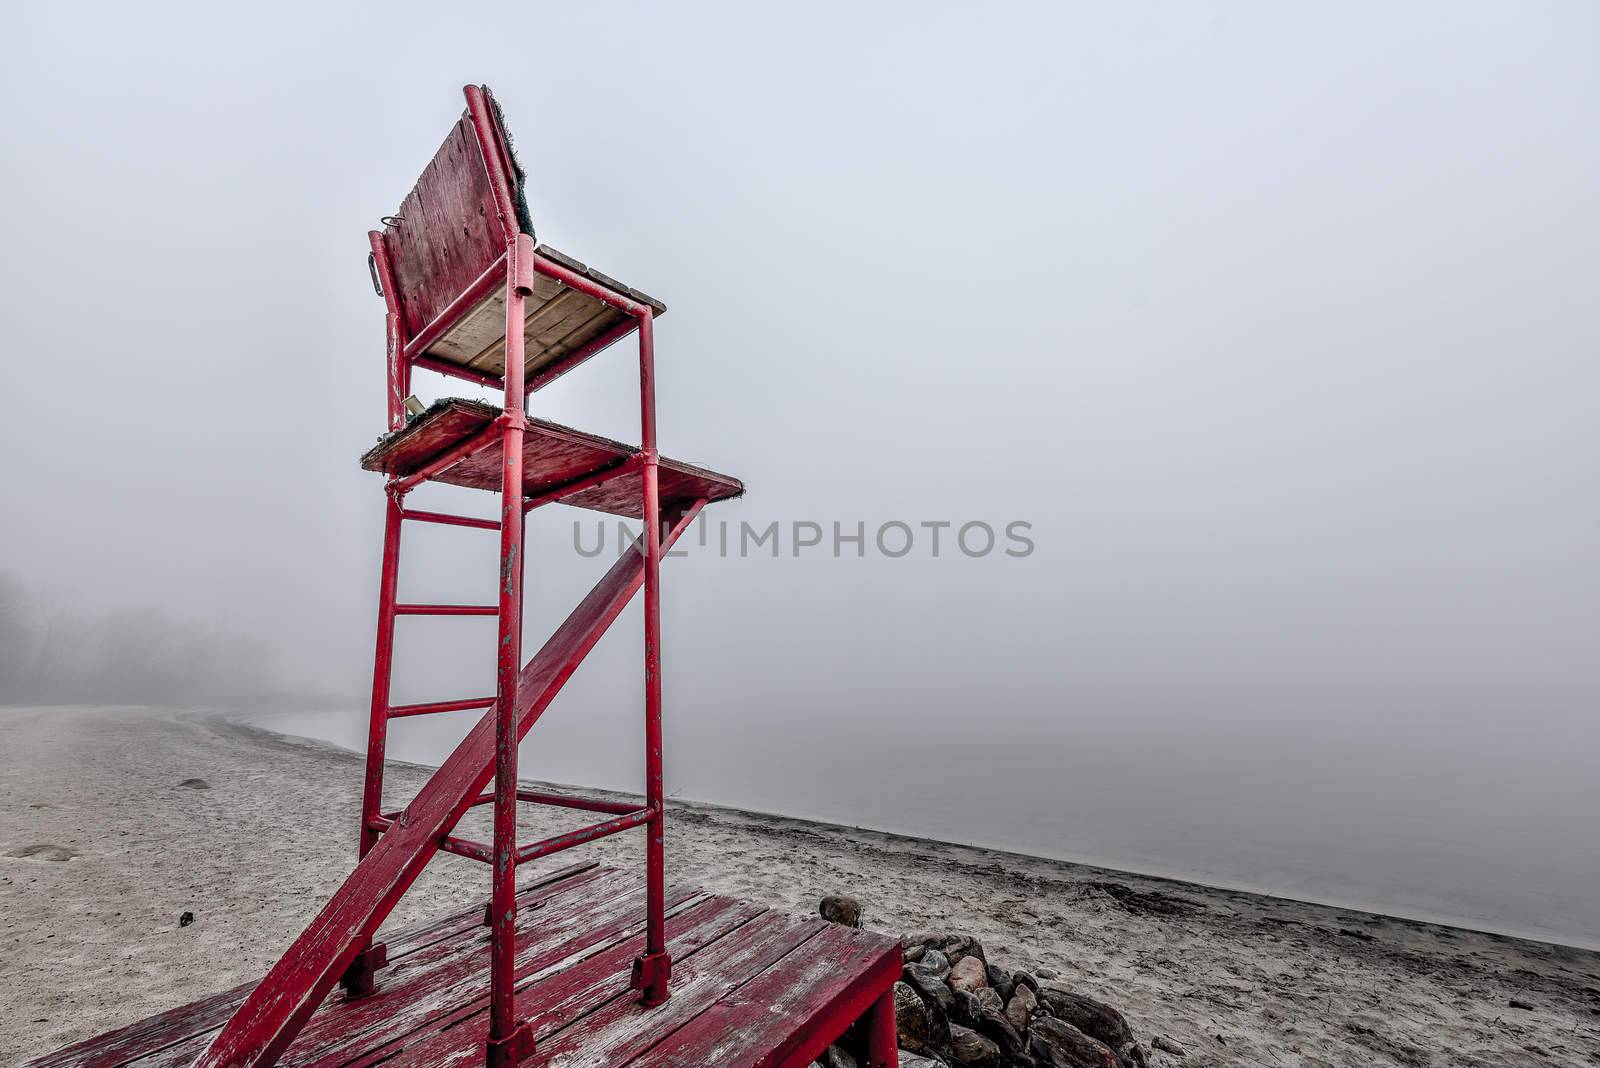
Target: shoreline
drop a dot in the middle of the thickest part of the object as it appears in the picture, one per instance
(115, 822)
(1536, 935)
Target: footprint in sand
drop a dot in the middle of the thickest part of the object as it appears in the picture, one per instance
(195, 784)
(43, 852)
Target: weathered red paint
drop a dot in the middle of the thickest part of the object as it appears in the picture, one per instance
(448, 520)
(759, 990)
(401, 711)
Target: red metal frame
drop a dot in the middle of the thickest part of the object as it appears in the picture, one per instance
(396, 845)
(514, 270)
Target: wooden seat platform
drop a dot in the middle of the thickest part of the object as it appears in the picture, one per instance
(553, 457)
(751, 986)
(559, 320)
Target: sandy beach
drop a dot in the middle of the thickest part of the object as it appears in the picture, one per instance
(116, 822)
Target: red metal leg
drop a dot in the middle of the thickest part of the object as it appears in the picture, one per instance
(508, 1040)
(881, 1038)
(357, 980)
(653, 971)
(382, 663)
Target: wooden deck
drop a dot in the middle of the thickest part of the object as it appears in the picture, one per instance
(553, 456)
(750, 986)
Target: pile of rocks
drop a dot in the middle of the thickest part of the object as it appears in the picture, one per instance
(955, 1008)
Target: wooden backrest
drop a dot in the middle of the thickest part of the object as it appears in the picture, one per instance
(447, 231)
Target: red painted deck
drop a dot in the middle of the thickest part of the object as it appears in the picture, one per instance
(554, 458)
(750, 987)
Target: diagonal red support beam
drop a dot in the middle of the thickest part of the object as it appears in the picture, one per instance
(268, 1020)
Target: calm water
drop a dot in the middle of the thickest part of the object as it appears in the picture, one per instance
(1417, 823)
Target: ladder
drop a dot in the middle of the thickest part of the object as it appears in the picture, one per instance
(470, 294)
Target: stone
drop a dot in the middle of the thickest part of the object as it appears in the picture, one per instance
(911, 1060)
(998, 1030)
(966, 1008)
(1001, 980)
(1019, 1010)
(1167, 1045)
(972, 1049)
(1096, 1019)
(834, 1057)
(930, 987)
(836, 908)
(989, 998)
(913, 953)
(916, 1027)
(936, 962)
(1021, 978)
(968, 973)
(1046, 973)
(1060, 1044)
(957, 946)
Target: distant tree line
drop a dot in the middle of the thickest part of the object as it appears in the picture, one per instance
(128, 656)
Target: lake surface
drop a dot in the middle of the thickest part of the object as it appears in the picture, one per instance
(1422, 823)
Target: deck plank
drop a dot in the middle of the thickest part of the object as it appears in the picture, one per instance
(155, 1033)
(624, 1027)
(556, 996)
(752, 988)
(764, 1023)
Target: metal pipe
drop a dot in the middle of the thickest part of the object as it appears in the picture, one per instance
(587, 804)
(584, 834)
(465, 847)
(654, 976)
(450, 520)
(402, 711)
(505, 205)
(398, 374)
(582, 482)
(593, 347)
(382, 662)
(446, 610)
(589, 287)
(447, 459)
(503, 1027)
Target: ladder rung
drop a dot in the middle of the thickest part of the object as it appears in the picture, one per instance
(450, 520)
(400, 711)
(636, 818)
(539, 797)
(465, 847)
(446, 610)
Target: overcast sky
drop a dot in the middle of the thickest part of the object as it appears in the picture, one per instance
(1275, 324)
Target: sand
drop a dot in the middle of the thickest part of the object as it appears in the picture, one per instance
(116, 822)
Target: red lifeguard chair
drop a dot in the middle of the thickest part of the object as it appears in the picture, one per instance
(470, 294)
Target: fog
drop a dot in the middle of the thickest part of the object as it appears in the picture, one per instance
(1270, 327)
